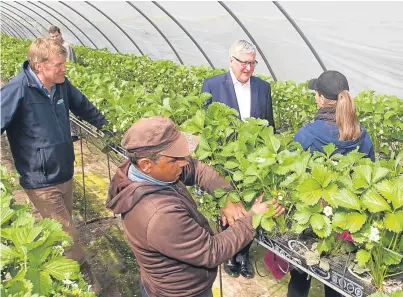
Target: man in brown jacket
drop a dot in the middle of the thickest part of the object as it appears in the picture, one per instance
(176, 249)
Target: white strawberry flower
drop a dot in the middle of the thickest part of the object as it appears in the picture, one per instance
(75, 285)
(260, 159)
(67, 282)
(280, 196)
(374, 234)
(114, 129)
(328, 211)
(335, 163)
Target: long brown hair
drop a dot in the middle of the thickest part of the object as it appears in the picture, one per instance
(346, 117)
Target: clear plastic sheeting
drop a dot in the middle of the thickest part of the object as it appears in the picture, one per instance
(363, 40)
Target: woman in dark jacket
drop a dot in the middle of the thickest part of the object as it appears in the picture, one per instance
(335, 122)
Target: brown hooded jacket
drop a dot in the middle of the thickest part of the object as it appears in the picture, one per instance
(175, 247)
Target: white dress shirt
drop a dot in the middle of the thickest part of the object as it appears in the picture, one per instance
(243, 96)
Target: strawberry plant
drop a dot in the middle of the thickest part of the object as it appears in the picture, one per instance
(31, 258)
(336, 196)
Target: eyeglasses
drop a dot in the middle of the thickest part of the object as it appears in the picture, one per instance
(244, 63)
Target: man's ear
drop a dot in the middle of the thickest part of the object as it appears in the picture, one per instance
(145, 165)
(38, 67)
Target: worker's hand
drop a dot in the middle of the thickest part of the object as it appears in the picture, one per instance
(277, 207)
(260, 207)
(232, 212)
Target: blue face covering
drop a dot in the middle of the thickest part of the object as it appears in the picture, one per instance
(137, 176)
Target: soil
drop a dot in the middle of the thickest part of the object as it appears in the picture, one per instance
(103, 239)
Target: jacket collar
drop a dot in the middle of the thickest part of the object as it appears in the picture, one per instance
(229, 89)
(30, 79)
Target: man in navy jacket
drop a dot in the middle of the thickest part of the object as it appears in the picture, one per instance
(251, 97)
(35, 113)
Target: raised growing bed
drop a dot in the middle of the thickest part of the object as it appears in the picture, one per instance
(340, 277)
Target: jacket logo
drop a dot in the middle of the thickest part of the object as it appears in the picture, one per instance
(60, 101)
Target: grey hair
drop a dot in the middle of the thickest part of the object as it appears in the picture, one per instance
(242, 47)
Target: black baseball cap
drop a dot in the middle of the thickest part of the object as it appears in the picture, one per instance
(330, 83)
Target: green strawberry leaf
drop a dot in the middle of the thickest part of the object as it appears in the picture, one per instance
(347, 199)
(256, 219)
(238, 176)
(362, 257)
(302, 217)
(267, 224)
(374, 202)
(248, 195)
(310, 191)
(355, 221)
(234, 197)
(317, 221)
(394, 221)
(339, 220)
(62, 268)
(219, 192)
(329, 149)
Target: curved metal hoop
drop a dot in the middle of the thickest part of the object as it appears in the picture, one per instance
(78, 28)
(15, 26)
(22, 18)
(11, 29)
(296, 27)
(250, 37)
(156, 28)
(186, 32)
(113, 22)
(106, 37)
(27, 15)
(58, 21)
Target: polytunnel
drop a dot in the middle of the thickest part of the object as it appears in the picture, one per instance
(295, 40)
(330, 174)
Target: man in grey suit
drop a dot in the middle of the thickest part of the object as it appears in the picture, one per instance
(251, 97)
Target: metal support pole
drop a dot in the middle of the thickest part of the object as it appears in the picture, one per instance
(82, 170)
